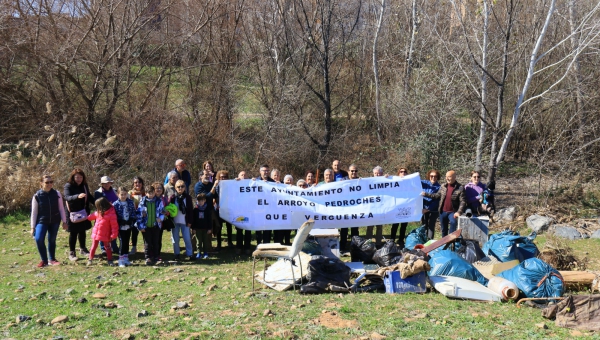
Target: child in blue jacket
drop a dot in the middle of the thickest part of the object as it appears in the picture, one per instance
(126, 217)
(150, 216)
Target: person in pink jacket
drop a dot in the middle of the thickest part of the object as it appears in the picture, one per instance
(105, 229)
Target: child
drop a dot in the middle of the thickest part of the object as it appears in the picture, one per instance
(125, 209)
(159, 190)
(150, 215)
(202, 225)
(105, 229)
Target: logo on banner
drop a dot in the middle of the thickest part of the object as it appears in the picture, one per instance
(404, 212)
(241, 219)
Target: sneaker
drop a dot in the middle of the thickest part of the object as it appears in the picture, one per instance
(133, 251)
(176, 257)
(89, 263)
(84, 251)
(121, 262)
(205, 256)
(103, 254)
(42, 264)
(192, 258)
(157, 260)
(198, 255)
(149, 262)
(126, 260)
(72, 256)
(54, 263)
(110, 263)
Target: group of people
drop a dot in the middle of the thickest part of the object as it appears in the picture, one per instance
(167, 206)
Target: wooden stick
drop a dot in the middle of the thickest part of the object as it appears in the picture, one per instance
(540, 299)
(576, 278)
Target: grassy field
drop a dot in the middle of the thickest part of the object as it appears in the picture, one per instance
(220, 306)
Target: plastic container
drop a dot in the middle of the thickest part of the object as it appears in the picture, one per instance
(507, 289)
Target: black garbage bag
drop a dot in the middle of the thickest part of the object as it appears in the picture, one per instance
(362, 250)
(326, 270)
(388, 255)
(470, 250)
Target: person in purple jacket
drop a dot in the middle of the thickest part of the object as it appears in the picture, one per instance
(474, 194)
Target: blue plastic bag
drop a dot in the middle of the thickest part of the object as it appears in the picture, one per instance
(416, 236)
(449, 263)
(535, 278)
(509, 245)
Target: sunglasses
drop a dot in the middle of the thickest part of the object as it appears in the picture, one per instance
(402, 171)
(180, 187)
(49, 182)
(353, 170)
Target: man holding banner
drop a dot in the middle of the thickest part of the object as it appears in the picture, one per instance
(377, 172)
(353, 174)
(263, 235)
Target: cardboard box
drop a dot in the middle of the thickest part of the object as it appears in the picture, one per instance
(489, 266)
(412, 284)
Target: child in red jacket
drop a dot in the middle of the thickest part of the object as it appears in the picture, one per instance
(105, 229)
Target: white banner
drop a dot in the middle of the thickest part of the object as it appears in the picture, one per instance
(260, 205)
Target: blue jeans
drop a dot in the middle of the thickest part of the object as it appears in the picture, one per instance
(445, 219)
(40, 234)
(187, 239)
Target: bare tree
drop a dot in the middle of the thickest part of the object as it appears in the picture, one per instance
(318, 35)
(592, 32)
(376, 68)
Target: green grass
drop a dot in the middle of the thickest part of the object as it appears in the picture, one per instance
(226, 312)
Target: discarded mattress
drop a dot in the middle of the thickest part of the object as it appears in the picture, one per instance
(458, 288)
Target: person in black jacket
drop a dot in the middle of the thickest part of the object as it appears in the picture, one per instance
(208, 188)
(264, 236)
(47, 212)
(78, 197)
(202, 226)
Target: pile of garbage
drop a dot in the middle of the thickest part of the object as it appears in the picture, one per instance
(507, 267)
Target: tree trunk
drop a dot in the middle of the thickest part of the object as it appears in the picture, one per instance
(411, 47)
(376, 70)
(483, 110)
(577, 73)
(530, 73)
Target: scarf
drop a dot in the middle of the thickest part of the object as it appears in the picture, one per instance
(181, 203)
